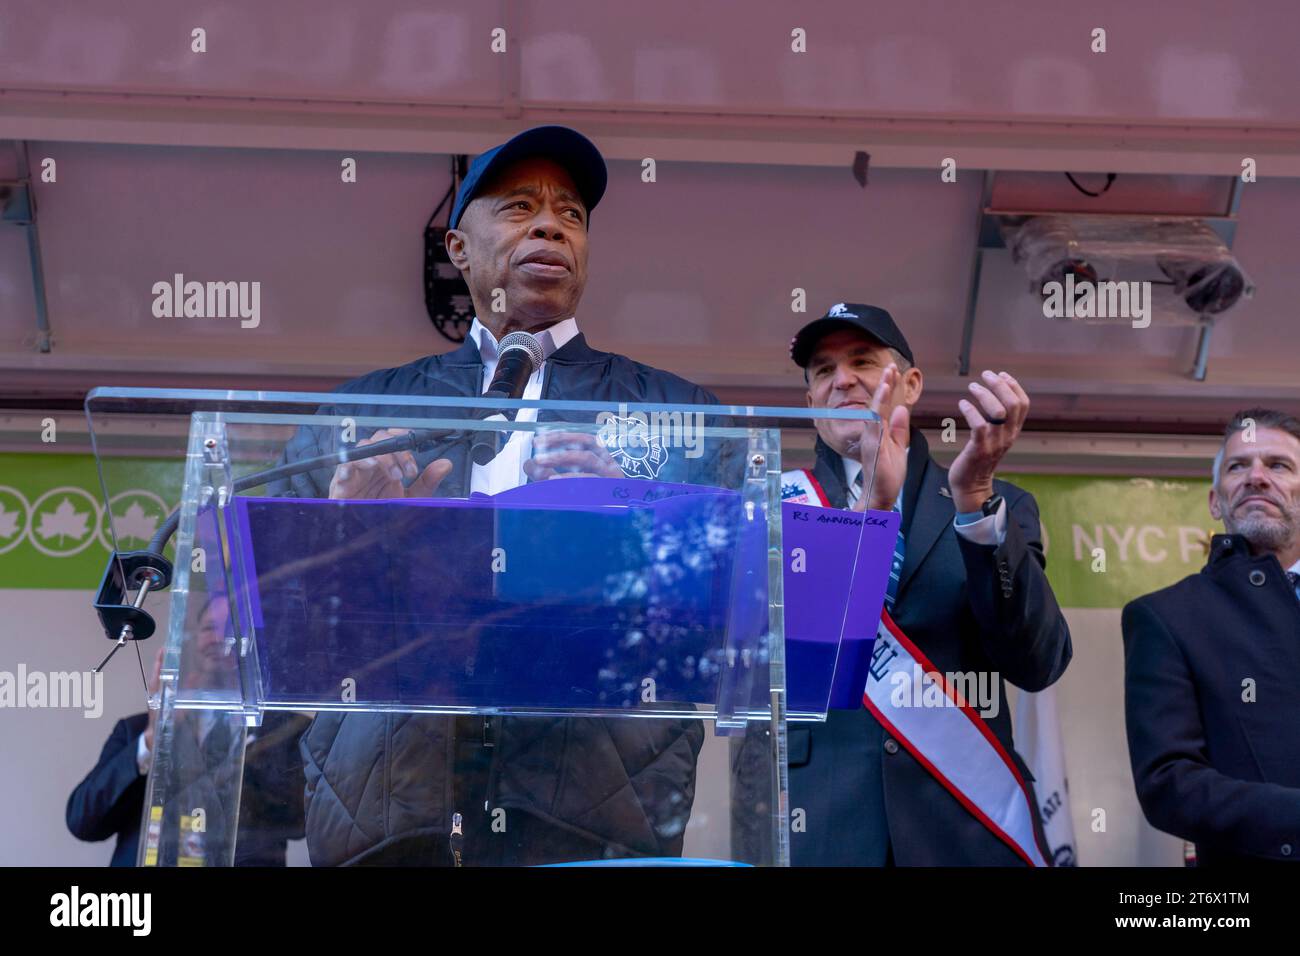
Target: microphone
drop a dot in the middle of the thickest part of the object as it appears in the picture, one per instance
(520, 354)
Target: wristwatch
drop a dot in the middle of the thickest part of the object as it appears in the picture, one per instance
(991, 505)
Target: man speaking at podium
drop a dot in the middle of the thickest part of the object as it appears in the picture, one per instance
(406, 789)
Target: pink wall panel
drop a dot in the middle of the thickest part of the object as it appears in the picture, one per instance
(1202, 59)
(385, 49)
(693, 272)
(339, 264)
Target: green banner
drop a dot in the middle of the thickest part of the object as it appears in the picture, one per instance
(54, 527)
(1108, 539)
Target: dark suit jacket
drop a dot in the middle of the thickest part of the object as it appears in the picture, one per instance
(110, 800)
(866, 799)
(1217, 760)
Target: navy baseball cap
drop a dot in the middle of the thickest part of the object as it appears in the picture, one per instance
(874, 321)
(577, 154)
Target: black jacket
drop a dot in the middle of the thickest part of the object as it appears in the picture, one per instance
(110, 800)
(576, 372)
(1212, 703)
(864, 796)
(384, 788)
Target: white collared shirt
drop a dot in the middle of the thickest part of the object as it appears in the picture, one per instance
(506, 470)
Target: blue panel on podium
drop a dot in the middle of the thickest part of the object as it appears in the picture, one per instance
(484, 603)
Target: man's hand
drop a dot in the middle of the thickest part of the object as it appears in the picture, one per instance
(884, 448)
(995, 415)
(155, 685)
(381, 476)
(569, 455)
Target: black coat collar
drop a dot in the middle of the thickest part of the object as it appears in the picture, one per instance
(829, 472)
(927, 511)
(461, 370)
(1229, 550)
(1224, 548)
(576, 351)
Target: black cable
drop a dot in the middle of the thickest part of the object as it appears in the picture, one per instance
(1110, 179)
(432, 216)
(457, 173)
(144, 680)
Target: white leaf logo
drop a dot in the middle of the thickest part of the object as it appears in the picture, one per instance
(64, 522)
(135, 523)
(8, 523)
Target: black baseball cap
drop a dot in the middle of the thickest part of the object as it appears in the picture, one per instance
(577, 154)
(876, 322)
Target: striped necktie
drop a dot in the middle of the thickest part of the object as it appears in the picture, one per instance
(1295, 583)
(896, 565)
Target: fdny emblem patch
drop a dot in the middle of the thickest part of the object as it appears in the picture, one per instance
(634, 449)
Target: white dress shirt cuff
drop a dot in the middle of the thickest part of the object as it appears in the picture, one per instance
(143, 758)
(990, 530)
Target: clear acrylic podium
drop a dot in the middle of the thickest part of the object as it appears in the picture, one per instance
(571, 650)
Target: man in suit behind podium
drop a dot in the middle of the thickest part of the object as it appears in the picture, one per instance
(969, 595)
(1212, 664)
(109, 802)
